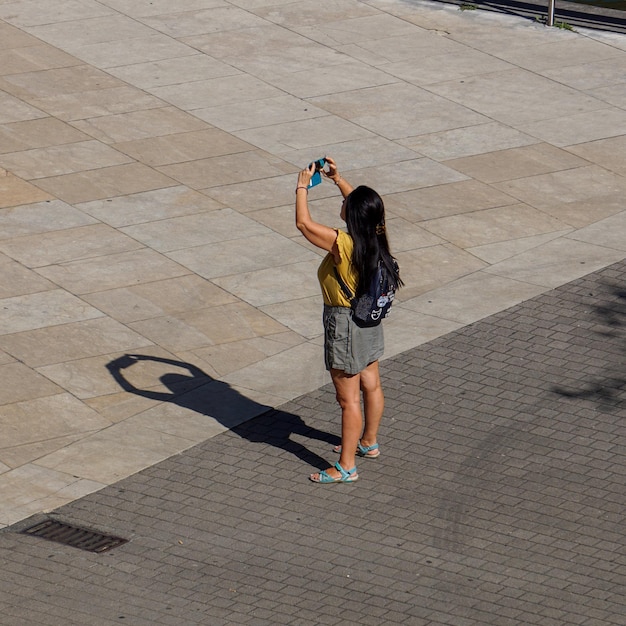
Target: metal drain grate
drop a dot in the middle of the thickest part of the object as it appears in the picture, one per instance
(74, 536)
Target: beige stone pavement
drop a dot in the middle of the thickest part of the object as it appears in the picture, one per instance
(148, 159)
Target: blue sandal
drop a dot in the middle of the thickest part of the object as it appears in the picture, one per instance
(324, 478)
(370, 452)
(367, 452)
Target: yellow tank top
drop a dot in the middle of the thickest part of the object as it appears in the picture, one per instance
(331, 291)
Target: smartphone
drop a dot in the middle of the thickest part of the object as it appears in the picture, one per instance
(316, 179)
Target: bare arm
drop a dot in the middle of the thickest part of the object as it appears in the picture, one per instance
(319, 235)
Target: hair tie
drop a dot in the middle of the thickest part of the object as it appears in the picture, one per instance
(380, 228)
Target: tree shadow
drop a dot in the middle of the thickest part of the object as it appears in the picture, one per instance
(607, 390)
(525, 435)
(193, 389)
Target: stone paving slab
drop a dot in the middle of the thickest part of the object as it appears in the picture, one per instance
(498, 497)
(147, 160)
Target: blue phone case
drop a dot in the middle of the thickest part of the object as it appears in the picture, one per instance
(316, 179)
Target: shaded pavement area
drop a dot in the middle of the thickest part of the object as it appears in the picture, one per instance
(498, 497)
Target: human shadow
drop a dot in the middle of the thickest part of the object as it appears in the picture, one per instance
(193, 389)
(608, 389)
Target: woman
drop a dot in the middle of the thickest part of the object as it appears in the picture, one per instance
(351, 353)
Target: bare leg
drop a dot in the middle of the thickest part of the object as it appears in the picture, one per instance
(373, 402)
(348, 388)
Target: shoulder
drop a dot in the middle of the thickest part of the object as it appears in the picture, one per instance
(344, 241)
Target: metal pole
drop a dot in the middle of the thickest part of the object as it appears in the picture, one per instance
(551, 12)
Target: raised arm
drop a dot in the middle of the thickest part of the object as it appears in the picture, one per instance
(319, 235)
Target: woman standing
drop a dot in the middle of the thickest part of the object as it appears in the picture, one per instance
(351, 352)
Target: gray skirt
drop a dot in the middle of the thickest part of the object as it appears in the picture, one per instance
(348, 347)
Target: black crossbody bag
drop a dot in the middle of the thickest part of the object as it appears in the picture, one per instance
(370, 308)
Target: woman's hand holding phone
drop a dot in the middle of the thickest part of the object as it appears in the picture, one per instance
(318, 168)
(304, 177)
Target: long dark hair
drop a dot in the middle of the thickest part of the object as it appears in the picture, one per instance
(365, 218)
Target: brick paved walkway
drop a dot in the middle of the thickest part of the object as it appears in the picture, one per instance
(498, 498)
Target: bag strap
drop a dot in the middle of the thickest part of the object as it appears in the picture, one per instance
(346, 290)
